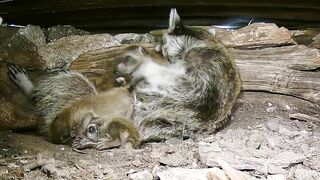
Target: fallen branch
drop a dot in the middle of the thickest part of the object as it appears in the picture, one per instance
(304, 117)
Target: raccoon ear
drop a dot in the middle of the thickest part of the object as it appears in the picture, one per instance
(174, 20)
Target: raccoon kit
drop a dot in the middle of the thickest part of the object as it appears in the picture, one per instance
(65, 100)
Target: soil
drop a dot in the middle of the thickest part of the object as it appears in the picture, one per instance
(258, 118)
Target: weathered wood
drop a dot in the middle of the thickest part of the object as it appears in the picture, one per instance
(270, 69)
(304, 117)
(274, 70)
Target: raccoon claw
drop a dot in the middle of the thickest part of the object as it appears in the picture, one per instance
(103, 145)
(16, 74)
(100, 146)
(82, 143)
(107, 143)
(20, 78)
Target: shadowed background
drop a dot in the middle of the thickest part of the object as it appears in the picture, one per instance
(145, 15)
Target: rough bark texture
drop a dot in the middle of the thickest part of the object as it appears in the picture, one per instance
(289, 70)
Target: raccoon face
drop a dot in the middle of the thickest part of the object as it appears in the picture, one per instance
(131, 60)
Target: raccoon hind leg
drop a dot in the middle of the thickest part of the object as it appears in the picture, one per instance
(20, 78)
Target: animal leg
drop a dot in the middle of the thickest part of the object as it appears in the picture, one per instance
(20, 78)
(107, 144)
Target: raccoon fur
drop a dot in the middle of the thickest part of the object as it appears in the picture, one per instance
(58, 91)
(201, 98)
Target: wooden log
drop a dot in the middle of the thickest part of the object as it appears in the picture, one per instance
(284, 70)
(304, 117)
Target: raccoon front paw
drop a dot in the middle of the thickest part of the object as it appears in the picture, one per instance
(82, 143)
(107, 144)
(20, 78)
(16, 74)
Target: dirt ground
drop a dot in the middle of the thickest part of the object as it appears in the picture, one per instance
(260, 132)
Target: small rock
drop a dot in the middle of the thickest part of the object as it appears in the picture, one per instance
(62, 52)
(3, 171)
(209, 147)
(276, 170)
(155, 154)
(136, 162)
(131, 171)
(287, 107)
(301, 173)
(191, 174)
(174, 160)
(271, 109)
(194, 165)
(271, 143)
(23, 161)
(143, 175)
(12, 165)
(34, 34)
(286, 132)
(171, 149)
(273, 124)
(56, 32)
(20, 46)
(257, 35)
(276, 177)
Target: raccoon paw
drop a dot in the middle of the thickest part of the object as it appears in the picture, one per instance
(20, 78)
(107, 144)
(17, 74)
(82, 143)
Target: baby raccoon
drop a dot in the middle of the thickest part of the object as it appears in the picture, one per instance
(65, 99)
(147, 68)
(102, 133)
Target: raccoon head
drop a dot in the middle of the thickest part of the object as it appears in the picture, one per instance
(179, 38)
(131, 59)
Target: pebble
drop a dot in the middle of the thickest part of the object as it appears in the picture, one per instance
(143, 175)
(273, 125)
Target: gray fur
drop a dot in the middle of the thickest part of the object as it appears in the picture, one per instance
(59, 91)
(202, 98)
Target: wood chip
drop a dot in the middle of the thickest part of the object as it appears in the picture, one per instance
(304, 117)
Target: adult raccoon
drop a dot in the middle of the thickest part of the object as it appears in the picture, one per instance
(203, 93)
